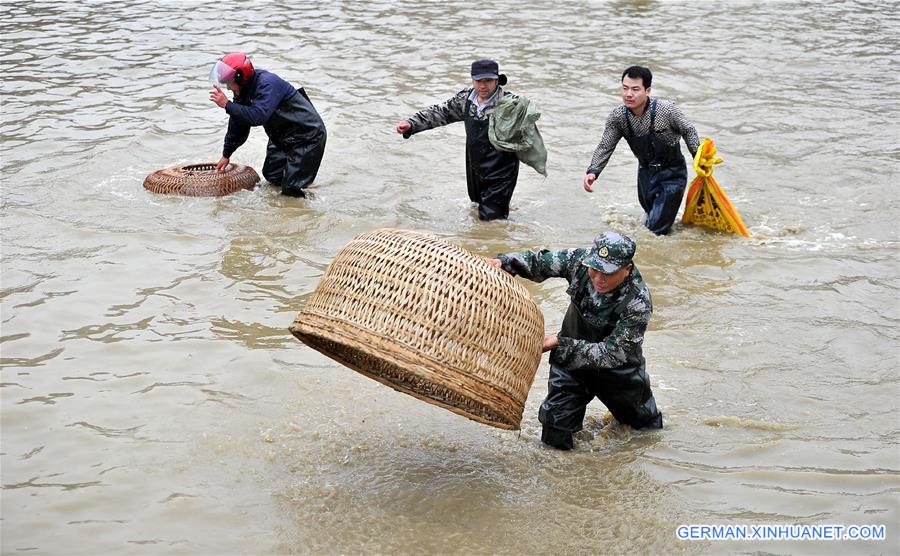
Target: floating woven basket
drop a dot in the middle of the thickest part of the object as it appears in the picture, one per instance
(429, 319)
(201, 180)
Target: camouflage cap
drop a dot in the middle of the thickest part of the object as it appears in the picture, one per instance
(610, 252)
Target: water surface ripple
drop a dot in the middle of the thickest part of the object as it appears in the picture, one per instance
(153, 401)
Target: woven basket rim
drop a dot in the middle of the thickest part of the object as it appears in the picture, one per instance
(306, 332)
(199, 179)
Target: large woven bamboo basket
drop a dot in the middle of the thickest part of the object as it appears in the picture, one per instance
(429, 319)
(201, 180)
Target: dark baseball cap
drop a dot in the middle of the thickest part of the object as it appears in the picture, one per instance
(485, 69)
(611, 251)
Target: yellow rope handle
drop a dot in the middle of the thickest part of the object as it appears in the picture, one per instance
(706, 158)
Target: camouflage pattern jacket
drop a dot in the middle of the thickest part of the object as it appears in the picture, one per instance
(453, 110)
(617, 320)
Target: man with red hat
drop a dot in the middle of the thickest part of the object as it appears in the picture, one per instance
(296, 131)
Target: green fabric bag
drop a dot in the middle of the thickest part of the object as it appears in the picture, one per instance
(512, 128)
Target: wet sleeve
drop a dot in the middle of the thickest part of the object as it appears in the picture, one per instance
(263, 105)
(625, 339)
(684, 126)
(611, 135)
(235, 136)
(538, 266)
(449, 111)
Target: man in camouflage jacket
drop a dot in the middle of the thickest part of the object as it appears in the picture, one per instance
(491, 174)
(597, 352)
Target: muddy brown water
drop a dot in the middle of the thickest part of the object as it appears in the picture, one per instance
(153, 401)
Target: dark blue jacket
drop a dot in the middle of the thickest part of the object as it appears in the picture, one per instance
(258, 101)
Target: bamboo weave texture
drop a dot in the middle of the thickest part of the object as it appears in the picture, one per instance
(201, 180)
(429, 319)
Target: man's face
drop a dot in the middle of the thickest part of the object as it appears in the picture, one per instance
(234, 87)
(634, 95)
(484, 87)
(605, 283)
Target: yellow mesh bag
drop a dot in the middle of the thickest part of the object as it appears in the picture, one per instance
(707, 205)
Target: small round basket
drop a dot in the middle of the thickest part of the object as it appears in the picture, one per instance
(201, 180)
(431, 320)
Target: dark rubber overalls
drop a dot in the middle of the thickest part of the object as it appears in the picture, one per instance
(624, 390)
(662, 176)
(296, 144)
(490, 174)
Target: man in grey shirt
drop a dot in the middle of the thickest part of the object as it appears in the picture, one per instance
(653, 129)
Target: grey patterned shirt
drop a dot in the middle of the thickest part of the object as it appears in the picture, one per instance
(670, 125)
(453, 110)
(597, 309)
